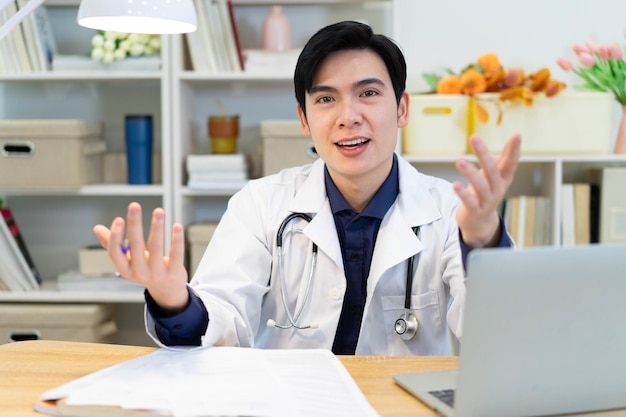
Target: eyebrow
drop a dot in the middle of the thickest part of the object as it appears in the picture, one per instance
(356, 85)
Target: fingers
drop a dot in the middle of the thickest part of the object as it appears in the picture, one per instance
(509, 158)
(155, 240)
(102, 233)
(177, 248)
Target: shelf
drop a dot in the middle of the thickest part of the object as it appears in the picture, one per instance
(96, 190)
(49, 294)
(84, 76)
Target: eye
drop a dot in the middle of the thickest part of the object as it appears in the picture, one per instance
(369, 93)
(324, 99)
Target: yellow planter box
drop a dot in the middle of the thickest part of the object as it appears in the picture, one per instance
(438, 125)
(570, 123)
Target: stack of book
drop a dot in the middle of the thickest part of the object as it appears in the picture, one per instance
(215, 46)
(17, 268)
(217, 171)
(30, 46)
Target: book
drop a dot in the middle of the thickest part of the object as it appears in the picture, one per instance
(44, 37)
(228, 34)
(28, 29)
(235, 27)
(594, 213)
(11, 223)
(543, 221)
(531, 214)
(19, 44)
(582, 194)
(14, 270)
(217, 35)
(612, 217)
(568, 225)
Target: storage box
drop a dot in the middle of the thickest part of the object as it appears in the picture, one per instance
(95, 261)
(438, 125)
(198, 237)
(72, 322)
(570, 123)
(285, 146)
(52, 154)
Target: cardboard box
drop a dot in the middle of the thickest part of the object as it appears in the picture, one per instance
(71, 322)
(438, 125)
(95, 261)
(568, 124)
(198, 237)
(50, 154)
(285, 146)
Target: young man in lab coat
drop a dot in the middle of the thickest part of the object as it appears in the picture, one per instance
(371, 213)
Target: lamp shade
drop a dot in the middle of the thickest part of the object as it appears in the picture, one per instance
(138, 16)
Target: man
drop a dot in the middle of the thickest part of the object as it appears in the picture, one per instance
(376, 226)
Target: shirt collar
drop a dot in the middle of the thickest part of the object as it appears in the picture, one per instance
(378, 205)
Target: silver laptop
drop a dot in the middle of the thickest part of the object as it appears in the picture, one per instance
(544, 333)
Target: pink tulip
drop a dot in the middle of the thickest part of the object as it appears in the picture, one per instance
(592, 47)
(604, 52)
(564, 63)
(587, 60)
(580, 48)
(616, 51)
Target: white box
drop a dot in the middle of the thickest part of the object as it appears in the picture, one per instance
(50, 154)
(198, 237)
(570, 123)
(438, 125)
(71, 322)
(285, 146)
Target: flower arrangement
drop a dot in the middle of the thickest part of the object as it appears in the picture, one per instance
(488, 74)
(115, 46)
(602, 68)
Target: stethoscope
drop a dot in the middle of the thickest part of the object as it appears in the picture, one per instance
(405, 326)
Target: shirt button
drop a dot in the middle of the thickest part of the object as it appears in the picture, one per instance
(354, 257)
(334, 294)
(178, 327)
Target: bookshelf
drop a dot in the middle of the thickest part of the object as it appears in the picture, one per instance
(55, 224)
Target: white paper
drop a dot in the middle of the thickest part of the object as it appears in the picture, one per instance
(224, 381)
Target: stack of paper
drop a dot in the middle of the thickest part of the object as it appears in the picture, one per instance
(217, 170)
(217, 381)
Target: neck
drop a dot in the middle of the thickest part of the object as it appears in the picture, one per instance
(358, 190)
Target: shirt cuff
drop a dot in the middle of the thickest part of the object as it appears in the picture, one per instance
(504, 242)
(182, 329)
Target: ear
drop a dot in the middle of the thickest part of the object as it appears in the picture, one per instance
(305, 126)
(403, 110)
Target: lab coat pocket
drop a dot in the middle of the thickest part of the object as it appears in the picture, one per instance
(430, 326)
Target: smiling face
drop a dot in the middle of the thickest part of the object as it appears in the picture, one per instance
(353, 118)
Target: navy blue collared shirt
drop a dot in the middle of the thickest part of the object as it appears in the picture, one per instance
(357, 236)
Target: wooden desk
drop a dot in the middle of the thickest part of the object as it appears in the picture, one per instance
(27, 369)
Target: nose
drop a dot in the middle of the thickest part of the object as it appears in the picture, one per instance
(349, 114)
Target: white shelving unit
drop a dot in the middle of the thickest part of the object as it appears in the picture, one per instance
(55, 225)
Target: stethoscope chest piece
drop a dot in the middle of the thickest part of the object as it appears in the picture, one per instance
(406, 326)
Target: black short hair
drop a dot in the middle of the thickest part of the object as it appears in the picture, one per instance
(341, 36)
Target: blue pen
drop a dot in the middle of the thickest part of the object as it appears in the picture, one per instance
(125, 247)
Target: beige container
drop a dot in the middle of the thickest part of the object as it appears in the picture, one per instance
(572, 123)
(95, 261)
(438, 125)
(71, 322)
(54, 154)
(198, 237)
(285, 146)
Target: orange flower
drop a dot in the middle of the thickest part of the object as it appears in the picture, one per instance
(449, 85)
(490, 62)
(473, 82)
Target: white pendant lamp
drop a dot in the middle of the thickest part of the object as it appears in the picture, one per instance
(138, 16)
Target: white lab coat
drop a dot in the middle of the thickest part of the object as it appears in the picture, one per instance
(237, 278)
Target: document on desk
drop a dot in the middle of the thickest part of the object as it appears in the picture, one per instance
(218, 381)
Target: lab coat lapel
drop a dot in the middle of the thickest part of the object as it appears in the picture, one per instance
(396, 241)
(311, 198)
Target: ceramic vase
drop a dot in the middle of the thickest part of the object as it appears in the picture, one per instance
(276, 31)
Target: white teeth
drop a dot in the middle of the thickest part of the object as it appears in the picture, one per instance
(352, 142)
